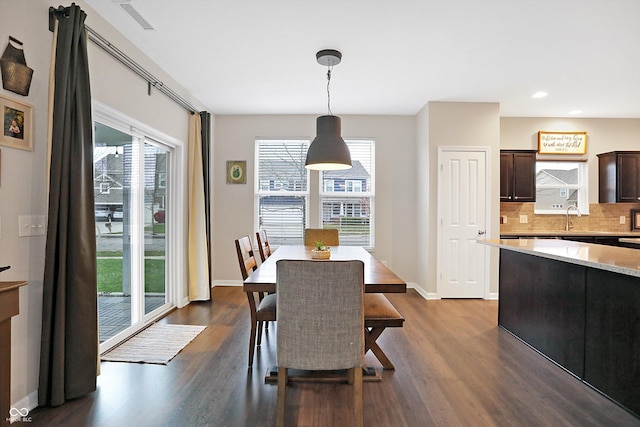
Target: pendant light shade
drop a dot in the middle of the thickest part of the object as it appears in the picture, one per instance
(328, 151)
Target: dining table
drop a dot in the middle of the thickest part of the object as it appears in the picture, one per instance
(378, 278)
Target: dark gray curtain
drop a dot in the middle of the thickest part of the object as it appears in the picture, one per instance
(205, 131)
(69, 352)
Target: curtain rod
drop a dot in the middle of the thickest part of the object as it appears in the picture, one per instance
(116, 53)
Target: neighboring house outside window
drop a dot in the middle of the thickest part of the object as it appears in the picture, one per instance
(347, 203)
(560, 185)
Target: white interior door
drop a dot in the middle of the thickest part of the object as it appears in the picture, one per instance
(462, 202)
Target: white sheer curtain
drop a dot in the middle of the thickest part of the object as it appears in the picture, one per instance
(197, 253)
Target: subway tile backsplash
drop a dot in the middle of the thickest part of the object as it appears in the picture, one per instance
(602, 217)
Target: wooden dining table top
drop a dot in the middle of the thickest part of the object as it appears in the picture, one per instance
(378, 278)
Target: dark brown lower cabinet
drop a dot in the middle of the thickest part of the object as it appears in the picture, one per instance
(612, 345)
(585, 319)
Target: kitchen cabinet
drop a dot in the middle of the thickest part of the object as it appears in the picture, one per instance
(619, 177)
(517, 175)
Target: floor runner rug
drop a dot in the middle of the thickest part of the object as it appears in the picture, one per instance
(157, 344)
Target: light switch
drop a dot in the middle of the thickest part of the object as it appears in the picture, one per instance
(32, 225)
(623, 219)
(524, 219)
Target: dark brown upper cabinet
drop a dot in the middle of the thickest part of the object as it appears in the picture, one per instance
(517, 175)
(619, 177)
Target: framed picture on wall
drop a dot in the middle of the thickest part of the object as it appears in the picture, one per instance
(236, 171)
(635, 219)
(17, 124)
(562, 142)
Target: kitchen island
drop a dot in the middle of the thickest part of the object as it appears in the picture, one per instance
(579, 305)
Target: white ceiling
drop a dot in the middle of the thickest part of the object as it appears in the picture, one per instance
(258, 56)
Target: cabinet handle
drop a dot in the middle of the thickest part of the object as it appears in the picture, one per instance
(516, 197)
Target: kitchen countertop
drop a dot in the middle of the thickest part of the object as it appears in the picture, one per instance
(572, 233)
(611, 258)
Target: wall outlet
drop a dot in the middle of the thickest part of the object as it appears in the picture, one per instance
(504, 219)
(524, 219)
(623, 219)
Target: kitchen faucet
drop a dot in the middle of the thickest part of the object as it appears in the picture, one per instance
(578, 214)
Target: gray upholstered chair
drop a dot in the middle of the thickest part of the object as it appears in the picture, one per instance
(263, 245)
(325, 235)
(320, 322)
(262, 309)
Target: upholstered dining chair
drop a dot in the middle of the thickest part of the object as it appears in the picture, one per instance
(262, 308)
(325, 235)
(263, 245)
(320, 323)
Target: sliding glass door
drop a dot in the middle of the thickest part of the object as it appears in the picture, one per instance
(131, 183)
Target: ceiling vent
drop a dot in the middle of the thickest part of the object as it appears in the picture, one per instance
(132, 12)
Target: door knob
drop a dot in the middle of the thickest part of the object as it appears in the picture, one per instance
(480, 232)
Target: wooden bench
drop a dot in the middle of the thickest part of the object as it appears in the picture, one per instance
(379, 314)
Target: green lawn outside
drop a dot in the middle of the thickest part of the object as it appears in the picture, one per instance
(110, 275)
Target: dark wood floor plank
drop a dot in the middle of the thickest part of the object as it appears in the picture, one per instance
(454, 367)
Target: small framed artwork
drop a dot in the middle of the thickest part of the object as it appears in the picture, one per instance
(635, 219)
(562, 142)
(17, 124)
(236, 171)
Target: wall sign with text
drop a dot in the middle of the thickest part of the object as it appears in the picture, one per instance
(562, 142)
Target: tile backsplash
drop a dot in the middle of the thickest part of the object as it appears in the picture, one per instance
(602, 217)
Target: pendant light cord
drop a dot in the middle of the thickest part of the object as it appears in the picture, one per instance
(328, 92)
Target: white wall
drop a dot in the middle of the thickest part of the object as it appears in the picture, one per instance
(23, 180)
(395, 183)
(603, 135)
(456, 124)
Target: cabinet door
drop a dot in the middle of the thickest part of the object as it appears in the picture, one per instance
(524, 177)
(628, 177)
(506, 177)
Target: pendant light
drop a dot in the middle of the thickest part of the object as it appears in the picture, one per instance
(328, 151)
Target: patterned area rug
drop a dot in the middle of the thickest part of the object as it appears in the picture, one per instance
(157, 344)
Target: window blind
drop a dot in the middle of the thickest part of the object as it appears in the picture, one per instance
(282, 190)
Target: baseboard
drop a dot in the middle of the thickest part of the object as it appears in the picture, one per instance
(492, 296)
(227, 283)
(424, 294)
(29, 402)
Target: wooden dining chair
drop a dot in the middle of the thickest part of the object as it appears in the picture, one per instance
(320, 323)
(327, 236)
(263, 245)
(262, 308)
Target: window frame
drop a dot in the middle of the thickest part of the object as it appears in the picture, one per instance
(262, 189)
(582, 187)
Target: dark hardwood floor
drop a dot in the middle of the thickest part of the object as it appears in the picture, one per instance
(454, 367)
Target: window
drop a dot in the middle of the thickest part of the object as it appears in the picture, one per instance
(340, 208)
(354, 186)
(560, 185)
(282, 190)
(104, 187)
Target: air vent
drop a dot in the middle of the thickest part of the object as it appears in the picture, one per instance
(136, 16)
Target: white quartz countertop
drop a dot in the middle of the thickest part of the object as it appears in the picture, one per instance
(572, 233)
(611, 258)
